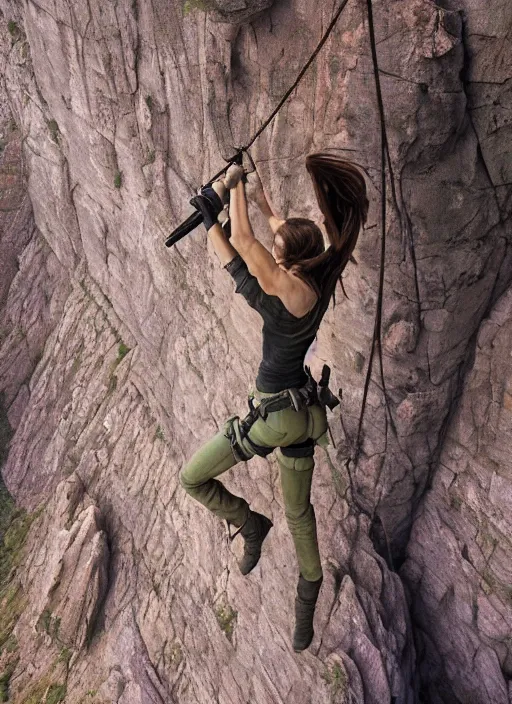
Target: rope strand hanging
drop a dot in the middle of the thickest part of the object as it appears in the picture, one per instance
(182, 230)
(385, 159)
(377, 329)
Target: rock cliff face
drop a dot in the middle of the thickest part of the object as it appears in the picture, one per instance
(119, 357)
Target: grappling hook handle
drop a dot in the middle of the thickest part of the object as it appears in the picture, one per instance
(196, 217)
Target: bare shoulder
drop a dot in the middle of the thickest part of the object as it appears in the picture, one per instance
(297, 297)
(275, 280)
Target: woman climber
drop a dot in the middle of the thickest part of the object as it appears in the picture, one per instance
(291, 289)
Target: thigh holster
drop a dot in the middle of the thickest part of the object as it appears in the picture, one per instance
(299, 457)
(242, 447)
(300, 449)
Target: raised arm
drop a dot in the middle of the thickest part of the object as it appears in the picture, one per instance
(255, 192)
(260, 262)
(224, 250)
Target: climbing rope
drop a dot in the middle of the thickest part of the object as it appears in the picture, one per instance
(301, 74)
(195, 219)
(285, 97)
(377, 329)
(384, 154)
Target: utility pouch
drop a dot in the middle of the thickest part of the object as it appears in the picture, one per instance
(325, 395)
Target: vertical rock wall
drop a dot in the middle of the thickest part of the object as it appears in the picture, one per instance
(459, 555)
(459, 550)
(124, 110)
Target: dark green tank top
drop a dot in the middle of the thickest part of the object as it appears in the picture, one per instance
(286, 338)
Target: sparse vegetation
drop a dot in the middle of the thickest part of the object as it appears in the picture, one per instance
(190, 5)
(13, 28)
(122, 351)
(12, 605)
(486, 541)
(118, 179)
(159, 433)
(65, 655)
(45, 620)
(45, 692)
(14, 526)
(19, 523)
(490, 584)
(358, 362)
(11, 644)
(336, 676)
(77, 361)
(226, 617)
(5, 679)
(56, 694)
(149, 102)
(176, 654)
(338, 480)
(50, 623)
(151, 157)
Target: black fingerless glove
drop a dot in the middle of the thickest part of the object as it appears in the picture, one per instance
(209, 205)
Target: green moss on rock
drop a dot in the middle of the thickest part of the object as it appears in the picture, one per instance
(15, 524)
(122, 351)
(13, 29)
(5, 679)
(336, 676)
(191, 5)
(56, 693)
(226, 618)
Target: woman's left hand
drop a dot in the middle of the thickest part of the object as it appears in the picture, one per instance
(233, 176)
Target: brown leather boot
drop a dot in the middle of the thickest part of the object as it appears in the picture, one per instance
(305, 602)
(254, 532)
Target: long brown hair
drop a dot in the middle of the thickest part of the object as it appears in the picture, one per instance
(340, 190)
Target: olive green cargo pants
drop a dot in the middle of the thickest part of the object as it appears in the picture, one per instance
(280, 429)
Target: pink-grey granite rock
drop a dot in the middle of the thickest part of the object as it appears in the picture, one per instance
(70, 580)
(460, 553)
(125, 109)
